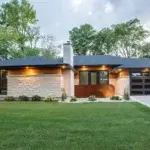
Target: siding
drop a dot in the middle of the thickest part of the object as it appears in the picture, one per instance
(34, 71)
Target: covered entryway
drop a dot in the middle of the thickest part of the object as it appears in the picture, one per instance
(140, 83)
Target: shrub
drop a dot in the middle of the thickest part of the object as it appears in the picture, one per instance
(64, 95)
(73, 99)
(36, 98)
(115, 98)
(10, 98)
(23, 98)
(92, 98)
(51, 98)
(126, 95)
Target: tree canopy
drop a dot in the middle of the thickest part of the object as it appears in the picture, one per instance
(82, 39)
(19, 33)
(49, 48)
(124, 39)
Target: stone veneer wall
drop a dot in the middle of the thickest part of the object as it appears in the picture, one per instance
(30, 85)
(68, 82)
(112, 81)
(122, 82)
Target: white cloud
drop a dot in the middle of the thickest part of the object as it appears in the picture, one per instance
(82, 6)
(90, 13)
(130, 2)
(109, 7)
(57, 24)
(98, 13)
(146, 26)
(76, 4)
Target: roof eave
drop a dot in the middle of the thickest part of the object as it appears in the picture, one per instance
(39, 66)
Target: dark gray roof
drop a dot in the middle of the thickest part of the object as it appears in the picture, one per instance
(135, 63)
(97, 60)
(90, 60)
(30, 61)
(112, 60)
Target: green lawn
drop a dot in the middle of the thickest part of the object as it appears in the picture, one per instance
(101, 126)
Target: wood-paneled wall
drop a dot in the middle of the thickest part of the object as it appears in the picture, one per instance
(34, 71)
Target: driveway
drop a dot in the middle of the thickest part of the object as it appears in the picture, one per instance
(145, 100)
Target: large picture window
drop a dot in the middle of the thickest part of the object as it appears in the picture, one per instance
(103, 78)
(84, 78)
(93, 77)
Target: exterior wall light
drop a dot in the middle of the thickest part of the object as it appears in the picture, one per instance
(83, 68)
(63, 66)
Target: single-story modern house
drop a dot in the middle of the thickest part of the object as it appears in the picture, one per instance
(81, 76)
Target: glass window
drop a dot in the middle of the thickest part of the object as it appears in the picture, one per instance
(147, 80)
(146, 74)
(103, 77)
(136, 74)
(84, 78)
(136, 80)
(3, 78)
(93, 78)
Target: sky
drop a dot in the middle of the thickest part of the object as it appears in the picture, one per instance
(58, 17)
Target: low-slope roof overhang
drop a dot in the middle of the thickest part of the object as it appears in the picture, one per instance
(39, 62)
(91, 60)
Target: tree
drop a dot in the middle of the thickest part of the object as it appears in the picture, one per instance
(6, 42)
(48, 47)
(33, 35)
(82, 39)
(145, 50)
(19, 17)
(124, 39)
(129, 37)
(104, 42)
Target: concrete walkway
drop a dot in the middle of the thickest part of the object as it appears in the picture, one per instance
(145, 100)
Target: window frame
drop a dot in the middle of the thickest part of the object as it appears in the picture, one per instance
(98, 77)
(3, 79)
(90, 79)
(80, 78)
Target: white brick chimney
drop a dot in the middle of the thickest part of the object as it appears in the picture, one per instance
(68, 74)
(67, 53)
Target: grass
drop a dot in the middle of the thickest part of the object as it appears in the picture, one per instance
(105, 126)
